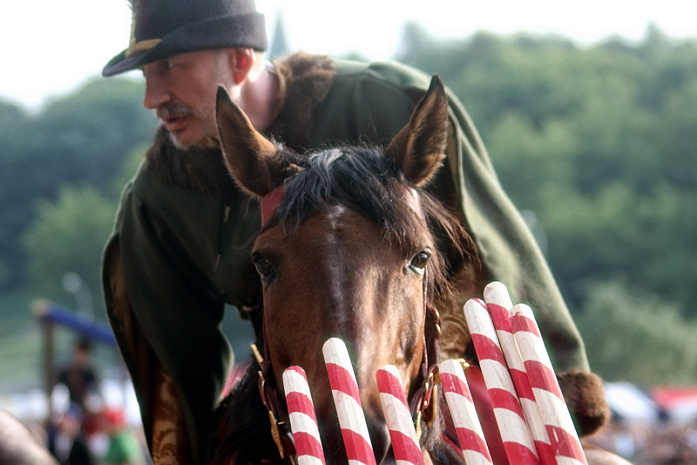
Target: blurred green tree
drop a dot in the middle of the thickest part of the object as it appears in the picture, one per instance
(635, 337)
(68, 236)
(81, 139)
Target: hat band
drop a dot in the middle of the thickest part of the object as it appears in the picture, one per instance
(142, 46)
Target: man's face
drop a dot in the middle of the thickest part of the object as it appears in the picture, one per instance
(182, 89)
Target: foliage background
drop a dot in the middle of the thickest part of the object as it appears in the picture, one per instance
(596, 145)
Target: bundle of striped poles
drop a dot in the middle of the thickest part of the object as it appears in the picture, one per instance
(534, 423)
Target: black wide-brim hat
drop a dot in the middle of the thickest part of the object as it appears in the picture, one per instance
(164, 28)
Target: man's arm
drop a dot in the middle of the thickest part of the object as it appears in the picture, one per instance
(166, 322)
(509, 254)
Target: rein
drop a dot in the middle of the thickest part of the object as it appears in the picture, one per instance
(423, 403)
(280, 432)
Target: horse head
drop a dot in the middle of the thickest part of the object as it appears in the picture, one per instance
(349, 248)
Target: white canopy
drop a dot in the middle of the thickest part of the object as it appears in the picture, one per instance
(631, 403)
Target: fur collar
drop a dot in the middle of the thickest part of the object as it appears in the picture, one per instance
(304, 83)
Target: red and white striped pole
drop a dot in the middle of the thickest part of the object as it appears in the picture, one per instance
(303, 422)
(515, 434)
(499, 304)
(405, 444)
(462, 411)
(555, 415)
(342, 380)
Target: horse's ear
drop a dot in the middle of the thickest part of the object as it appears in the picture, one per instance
(419, 148)
(254, 161)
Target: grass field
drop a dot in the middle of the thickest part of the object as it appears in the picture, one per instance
(20, 342)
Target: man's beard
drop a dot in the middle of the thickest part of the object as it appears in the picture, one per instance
(173, 110)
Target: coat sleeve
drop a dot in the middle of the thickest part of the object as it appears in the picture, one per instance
(166, 320)
(509, 254)
(506, 246)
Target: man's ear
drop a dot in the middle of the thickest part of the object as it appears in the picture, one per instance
(242, 62)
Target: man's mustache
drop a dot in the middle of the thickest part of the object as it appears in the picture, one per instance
(171, 110)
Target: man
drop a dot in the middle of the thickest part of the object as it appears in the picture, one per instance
(67, 441)
(79, 376)
(180, 247)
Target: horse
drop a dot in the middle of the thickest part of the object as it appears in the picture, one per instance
(351, 250)
(351, 246)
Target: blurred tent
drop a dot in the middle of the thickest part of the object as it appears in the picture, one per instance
(116, 388)
(51, 315)
(628, 402)
(678, 403)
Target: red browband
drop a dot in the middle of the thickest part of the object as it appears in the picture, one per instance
(269, 203)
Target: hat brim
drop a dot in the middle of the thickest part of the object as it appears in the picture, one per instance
(122, 63)
(246, 31)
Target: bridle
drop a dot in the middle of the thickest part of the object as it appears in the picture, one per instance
(423, 402)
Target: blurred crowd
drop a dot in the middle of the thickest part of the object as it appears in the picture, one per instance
(75, 437)
(657, 443)
(82, 429)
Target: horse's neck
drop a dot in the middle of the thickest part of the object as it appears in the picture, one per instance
(243, 431)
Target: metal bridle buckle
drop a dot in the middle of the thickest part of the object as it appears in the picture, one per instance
(275, 432)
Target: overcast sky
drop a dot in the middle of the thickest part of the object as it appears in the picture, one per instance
(50, 47)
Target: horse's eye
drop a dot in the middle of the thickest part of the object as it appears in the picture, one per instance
(419, 261)
(264, 266)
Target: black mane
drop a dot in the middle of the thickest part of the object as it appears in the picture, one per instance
(364, 180)
(357, 177)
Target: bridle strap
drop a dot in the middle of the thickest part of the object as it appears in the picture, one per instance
(270, 202)
(424, 402)
(267, 382)
(280, 433)
(424, 405)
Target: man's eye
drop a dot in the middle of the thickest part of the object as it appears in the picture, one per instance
(158, 68)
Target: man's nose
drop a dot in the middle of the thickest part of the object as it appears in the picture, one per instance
(156, 93)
